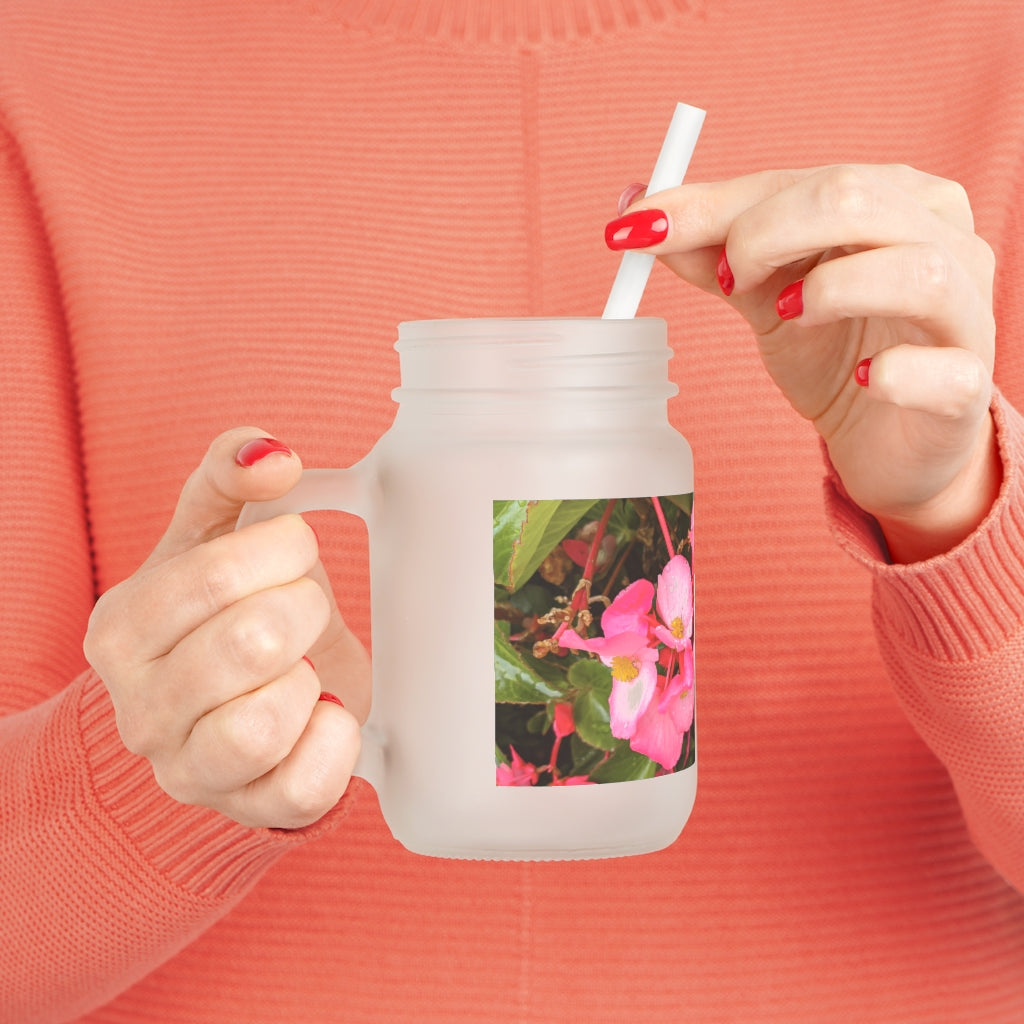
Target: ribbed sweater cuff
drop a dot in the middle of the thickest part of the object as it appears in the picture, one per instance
(196, 849)
(962, 604)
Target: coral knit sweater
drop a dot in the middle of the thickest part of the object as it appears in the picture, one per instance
(215, 213)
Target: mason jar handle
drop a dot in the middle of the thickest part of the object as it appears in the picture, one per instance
(338, 490)
(331, 490)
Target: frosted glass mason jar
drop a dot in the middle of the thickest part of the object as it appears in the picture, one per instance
(530, 534)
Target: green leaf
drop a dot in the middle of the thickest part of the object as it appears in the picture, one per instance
(683, 501)
(625, 765)
(592, 683)
(516, 681)
(589, 674)
(525, 533)
(590, 714)
(584, 757)
(623, 522)
(540, 723)
(508, 520)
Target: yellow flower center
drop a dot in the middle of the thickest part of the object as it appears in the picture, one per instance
(677, 628)
(624, 669)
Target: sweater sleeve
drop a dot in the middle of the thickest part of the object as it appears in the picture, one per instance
(951, 631)
(102, 876)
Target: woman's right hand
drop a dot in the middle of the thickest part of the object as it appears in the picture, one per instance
(871, 299)
(203, 650)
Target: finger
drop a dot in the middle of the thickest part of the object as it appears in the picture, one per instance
(699, 267)
(838, 208)
(243, 739)
(172, 598)
(947, 199)
(340, 658)
(950, 385)
(310, 780)
(241, 465)
(236, 652)
(701, 215)
(920, 283)
(630, 194)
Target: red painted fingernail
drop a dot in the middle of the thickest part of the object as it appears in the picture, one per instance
(637, 230)
(790, 303)
(629, 195)
(724, 274)
(252, 451)
(309, 663)
(861, 373)
(331, 698)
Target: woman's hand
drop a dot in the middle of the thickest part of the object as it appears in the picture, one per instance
(871, 300)
(203, 650)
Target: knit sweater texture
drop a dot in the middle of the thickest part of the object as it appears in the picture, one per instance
(214, 214)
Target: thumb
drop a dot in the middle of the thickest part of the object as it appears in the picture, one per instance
(241, 465)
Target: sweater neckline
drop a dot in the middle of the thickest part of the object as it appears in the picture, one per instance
(521, 22)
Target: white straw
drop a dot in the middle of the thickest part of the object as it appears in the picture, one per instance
(674, 158)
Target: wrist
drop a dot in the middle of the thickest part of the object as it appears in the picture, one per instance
(950, 517)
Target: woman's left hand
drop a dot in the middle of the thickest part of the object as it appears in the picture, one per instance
(870, 297)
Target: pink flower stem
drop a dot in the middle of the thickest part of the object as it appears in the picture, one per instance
(554, 757)
(588, 569)
(581, 597)
(664, 527)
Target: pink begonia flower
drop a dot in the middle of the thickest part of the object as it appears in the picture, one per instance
(675, 604)
(574, 780)
(518, 773)
(682, 681)
(660, 730)
(634, 668)
(630, 612)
